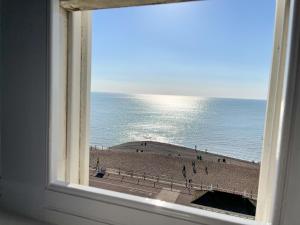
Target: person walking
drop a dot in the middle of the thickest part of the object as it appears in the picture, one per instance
(194, 167)
(184, 171)
(98, 165)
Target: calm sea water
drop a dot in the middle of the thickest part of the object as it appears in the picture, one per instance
(232, 127)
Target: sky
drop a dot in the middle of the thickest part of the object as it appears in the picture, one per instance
(213, 48)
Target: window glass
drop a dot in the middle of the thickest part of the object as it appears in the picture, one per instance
(178, 100)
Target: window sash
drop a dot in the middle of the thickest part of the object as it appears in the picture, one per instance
(70, 96)
(77, 5)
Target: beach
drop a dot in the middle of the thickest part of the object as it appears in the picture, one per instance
(155, 170)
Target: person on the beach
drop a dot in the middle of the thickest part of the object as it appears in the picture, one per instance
(194, 167)
(190, 185)
(97, 164)
(206, 170)
(184, 171)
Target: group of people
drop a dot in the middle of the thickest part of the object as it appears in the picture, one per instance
(194, 169)
(223, 160)
(188, 182)
(142, 144)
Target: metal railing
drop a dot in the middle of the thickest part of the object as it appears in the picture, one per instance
(171, 182)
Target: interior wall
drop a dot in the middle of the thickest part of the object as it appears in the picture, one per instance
(24, 117)
(0, 85)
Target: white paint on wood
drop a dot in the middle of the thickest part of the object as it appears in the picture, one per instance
(111, 207)
(288, 185)
(73, 98)
(58, 93)
(273, 158)
(85, 83)
(75, 5)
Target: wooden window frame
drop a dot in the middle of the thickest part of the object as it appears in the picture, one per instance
(67, 195)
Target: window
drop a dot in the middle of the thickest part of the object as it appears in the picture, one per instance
(176, 115)
(69, 137)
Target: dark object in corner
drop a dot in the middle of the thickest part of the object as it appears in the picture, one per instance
(100, 173)
(227, 201)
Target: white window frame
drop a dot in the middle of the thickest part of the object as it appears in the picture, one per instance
(70, 47)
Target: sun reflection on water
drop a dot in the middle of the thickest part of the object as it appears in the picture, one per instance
(172, 102)
(169, 116)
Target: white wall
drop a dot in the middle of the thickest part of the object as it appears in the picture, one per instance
(25, 114)
(24, 101)
(0, 83)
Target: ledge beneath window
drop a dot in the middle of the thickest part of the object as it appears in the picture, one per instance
(109, 207)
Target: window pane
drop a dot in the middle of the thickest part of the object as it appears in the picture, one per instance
(178, 101)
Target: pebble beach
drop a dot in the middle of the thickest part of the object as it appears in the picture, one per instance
(149, 168)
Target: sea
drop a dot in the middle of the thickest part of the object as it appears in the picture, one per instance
(231, 127)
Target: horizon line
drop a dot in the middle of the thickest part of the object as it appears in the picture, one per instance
(199, 96)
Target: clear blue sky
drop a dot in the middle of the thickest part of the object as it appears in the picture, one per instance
(216, 48)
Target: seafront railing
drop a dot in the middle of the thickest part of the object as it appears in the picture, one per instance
(172, 183)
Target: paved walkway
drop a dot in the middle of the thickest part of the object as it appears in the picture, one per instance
(168, 196)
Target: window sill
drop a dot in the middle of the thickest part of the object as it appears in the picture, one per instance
(104, 206)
